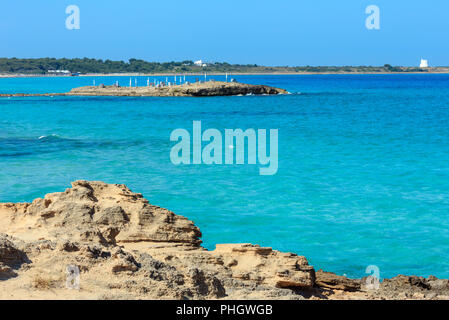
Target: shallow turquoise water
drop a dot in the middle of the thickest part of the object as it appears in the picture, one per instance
(363, 163)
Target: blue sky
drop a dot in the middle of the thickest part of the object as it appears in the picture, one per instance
(282, 32)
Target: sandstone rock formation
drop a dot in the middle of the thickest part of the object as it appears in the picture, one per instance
(332, 281)
(126, 248)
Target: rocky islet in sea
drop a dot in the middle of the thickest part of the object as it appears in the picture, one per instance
(197, 89)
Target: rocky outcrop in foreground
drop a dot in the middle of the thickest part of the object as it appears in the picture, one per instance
(197, 89)
(126, 248)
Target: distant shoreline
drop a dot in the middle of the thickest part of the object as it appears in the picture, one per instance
(43, 67)
(444, 71)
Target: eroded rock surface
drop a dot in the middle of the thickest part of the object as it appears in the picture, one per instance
(11, 257)
(332, 281)
(126, 248)
(101, 213)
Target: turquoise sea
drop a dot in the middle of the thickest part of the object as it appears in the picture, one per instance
(363, 173)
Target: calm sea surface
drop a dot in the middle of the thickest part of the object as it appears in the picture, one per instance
(363, 173)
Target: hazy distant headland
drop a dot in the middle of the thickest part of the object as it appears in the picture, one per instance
(86, 66)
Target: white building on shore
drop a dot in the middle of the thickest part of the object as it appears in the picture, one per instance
(59, 72)
(200, 63)
(424, 63)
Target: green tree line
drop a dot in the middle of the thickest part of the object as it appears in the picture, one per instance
(86, 65)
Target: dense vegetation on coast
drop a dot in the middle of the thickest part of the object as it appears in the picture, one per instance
(86, 65)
